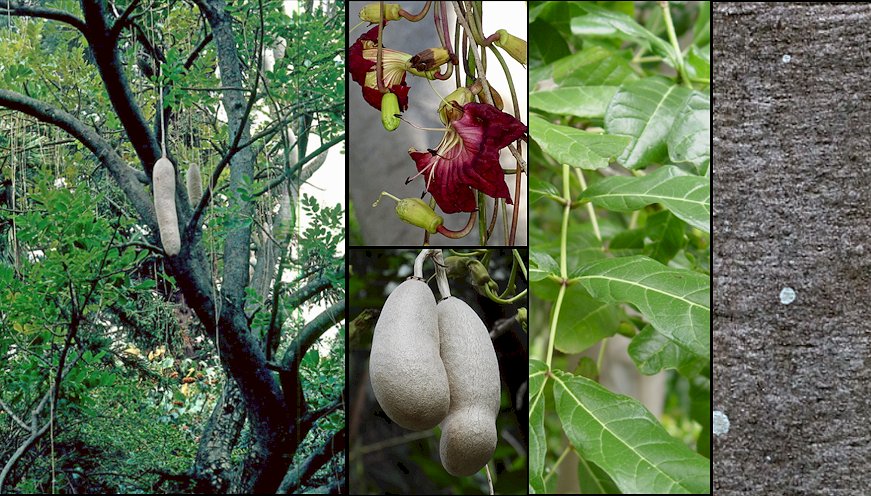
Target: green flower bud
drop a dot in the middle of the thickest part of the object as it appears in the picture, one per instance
(478, 273)
(513, 45)
(418, 213)
(372, 12)
(424, 74)
(429, 59)
(448, 112)
(456, 267)
(521, 317)
(389, 110)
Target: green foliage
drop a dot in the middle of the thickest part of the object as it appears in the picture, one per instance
(621, 242)
(135, 400)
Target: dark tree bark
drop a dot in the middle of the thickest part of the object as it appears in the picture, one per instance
(792, 193)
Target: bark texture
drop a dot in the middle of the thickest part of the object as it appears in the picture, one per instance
(792, 182)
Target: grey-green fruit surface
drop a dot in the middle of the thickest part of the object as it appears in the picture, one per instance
(469, 431)
(406, 372)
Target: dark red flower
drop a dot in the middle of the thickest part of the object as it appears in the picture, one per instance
(468, 158)
(361, 63)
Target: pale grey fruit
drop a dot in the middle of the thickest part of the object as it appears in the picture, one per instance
(469, 431)
(163, 182)
(408, 377)
(194, 184)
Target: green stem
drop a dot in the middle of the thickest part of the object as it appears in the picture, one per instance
(567, 197)
(601, 355)
(475, 253)
(482, 219)
(553, 322)
(590, 210)
(520, 263)
(672, 37)
(558, 462)
(562, 262)
(514, 218)
(501, 301)
(511, 279)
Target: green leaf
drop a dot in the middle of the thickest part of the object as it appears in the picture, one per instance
(537, 439)
(541, 265)
(584, 321)
(558, 14)
(700, 409)
(644, 112)
(603, 23)
(594, 480)
(652, 352)
(539, 189)
(676, 302)
(573, 146)
(666, 233)
(690, 137)
(581, 101)
(699, 62)
(625, 440)
(702, 28)
(592, 66)
(549, 46)
(686, 196)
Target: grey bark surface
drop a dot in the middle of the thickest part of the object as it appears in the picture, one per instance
(791, 209)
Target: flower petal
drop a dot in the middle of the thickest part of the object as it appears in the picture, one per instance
(446, 185)
(470, 159)
(359, 66)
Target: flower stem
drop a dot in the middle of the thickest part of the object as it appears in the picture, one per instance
(519, 261)
(416, 17)
(379, 70)
(521, 165)
(441, 274)
(601, 358)
(501, 301)
(462, 233)
(511, 279)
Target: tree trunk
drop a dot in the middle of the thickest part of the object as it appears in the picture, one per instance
(213, 470)
(793, 199)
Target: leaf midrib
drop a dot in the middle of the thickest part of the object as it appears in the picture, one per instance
(625, 281)
(605, 428)
(649, 195)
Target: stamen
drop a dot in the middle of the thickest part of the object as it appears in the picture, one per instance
(439, 129)
(430, 166)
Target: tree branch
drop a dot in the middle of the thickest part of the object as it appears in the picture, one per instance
(112, 73)
(17, 9)
(197, 51)
(311, 332)
(123, 174)
(316, 415)
(290, 172)
(296, 299)
(296, 477)
(121, 21)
